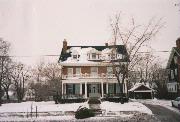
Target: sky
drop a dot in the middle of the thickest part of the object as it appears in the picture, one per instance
(38, 27)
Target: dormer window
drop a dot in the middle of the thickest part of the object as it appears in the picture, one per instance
(75, 56)
(93, 55)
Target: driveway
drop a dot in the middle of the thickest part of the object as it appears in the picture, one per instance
(164, 114)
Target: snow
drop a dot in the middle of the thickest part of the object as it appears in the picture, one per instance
(130, 106)
(41, 106)
(49, 111)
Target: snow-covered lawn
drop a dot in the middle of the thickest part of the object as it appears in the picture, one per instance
(51, 111)
(51, 107)
(41, 107)
(131, 106)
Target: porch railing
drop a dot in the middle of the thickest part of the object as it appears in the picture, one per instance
(86, 75)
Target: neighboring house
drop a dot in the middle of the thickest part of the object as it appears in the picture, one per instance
(173, 67)
(87, 70)
(141, 91)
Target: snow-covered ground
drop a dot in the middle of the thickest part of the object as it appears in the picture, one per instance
(164, 103)
(51, 111)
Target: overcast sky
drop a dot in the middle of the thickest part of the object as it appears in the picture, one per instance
(38, 27)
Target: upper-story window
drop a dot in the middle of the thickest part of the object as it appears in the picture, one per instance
(109, 70)
(70, 72)
(175, 59)
(172, 74)
(94, 71)
(175, 71)
(78, 71)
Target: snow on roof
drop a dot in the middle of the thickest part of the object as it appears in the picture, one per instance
(137, 85)
(83, 58)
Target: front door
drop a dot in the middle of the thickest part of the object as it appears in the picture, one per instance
(94, 90)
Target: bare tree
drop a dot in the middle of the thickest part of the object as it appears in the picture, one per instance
(20, 76)
(7, 80)
(52, 73)
(4, 51)
(133, 38)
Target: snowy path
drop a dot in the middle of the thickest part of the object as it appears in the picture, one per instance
(164, 114)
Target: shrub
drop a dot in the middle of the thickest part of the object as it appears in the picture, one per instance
(84, 112)
(94, 101)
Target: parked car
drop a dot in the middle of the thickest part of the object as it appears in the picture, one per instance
(176, 102)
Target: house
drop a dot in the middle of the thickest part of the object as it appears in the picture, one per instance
(173, 67)
(87, 70)
(141, 91)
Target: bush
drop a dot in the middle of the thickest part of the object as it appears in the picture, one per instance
(94, 101)
(117, 99)
(84, 112)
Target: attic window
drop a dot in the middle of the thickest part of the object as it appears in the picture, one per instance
(75, 56)
(93, 55)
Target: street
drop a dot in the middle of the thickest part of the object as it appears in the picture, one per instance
(164, 114)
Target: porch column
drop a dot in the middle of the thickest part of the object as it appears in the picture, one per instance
(102, 90)
(85, 89)
(62, 90)
(107, 88)
(64, 85)
(80, 89)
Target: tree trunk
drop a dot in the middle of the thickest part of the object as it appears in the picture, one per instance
(7, 95)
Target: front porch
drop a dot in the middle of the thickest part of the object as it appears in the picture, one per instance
(94, 88)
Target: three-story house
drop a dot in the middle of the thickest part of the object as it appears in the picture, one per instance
(87, 70)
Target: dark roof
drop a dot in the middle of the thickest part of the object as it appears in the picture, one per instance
(174, 51)
(120, 48)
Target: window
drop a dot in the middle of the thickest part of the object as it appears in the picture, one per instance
(70, 72)
(93, 55)
(175, 59)
(119, 56)
(75, 56)
(69, 88)
(172, 74)
(113, 56)
(175, 71)
(109, 70)
(94, 71)
(78, 71)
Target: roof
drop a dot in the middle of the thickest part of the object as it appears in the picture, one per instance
(120, 49)
(173, 51)
(140, 87)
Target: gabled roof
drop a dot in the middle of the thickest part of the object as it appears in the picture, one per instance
(140, 87)
(173, 51)
(120, 49)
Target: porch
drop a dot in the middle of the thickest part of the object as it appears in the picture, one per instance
(92, 88)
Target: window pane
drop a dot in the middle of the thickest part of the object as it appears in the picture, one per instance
(94, 71)
(93, 55)
(78, 70)
(70, 72)
(109, 70)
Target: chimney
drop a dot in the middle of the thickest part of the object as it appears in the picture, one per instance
(64, 46)
(106, 44)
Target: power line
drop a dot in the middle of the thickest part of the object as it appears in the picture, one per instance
(55, 55)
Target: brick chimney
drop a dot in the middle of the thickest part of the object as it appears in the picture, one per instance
(178, 43)
(64, 46)
(106, 44)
